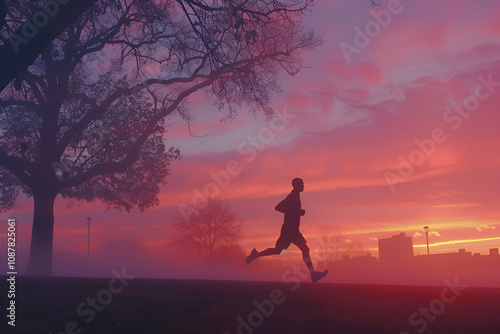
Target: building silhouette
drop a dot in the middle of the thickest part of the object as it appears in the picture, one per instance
(397, 249)
(397, 264)
(460, 260)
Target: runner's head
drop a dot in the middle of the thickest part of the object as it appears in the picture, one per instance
(298, 184)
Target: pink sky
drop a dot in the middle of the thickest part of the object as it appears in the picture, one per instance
(352, 121)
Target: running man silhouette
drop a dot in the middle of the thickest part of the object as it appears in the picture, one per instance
(290, 233)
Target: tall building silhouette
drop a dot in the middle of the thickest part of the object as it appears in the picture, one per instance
(397, 249)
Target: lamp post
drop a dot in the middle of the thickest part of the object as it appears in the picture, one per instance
(88, 245)
(426, 230)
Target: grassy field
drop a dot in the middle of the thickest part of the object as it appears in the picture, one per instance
(99, 305)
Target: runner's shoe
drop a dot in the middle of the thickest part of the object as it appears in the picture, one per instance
(252, 256)
(317, 275)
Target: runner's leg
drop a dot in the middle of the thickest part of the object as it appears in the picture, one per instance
(281, 244)
(270, 251)
(301, 243)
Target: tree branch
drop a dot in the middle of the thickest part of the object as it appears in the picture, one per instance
(131, 156)
(15, 59)
(21, 168)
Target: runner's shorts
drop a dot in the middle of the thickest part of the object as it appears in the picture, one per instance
(285, 240)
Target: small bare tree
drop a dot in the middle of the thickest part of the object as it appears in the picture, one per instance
(331, 243)
(206, 230)
(355, 248)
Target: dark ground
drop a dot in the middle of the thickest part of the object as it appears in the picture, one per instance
(195, 306)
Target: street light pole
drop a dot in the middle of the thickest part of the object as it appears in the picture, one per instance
(426, 230)
(88, 245)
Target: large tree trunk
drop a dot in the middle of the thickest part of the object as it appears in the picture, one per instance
(40, 261)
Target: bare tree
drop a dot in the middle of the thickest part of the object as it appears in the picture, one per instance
(207, 231)
(331, 243)
(355, 248)
(87, 119)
